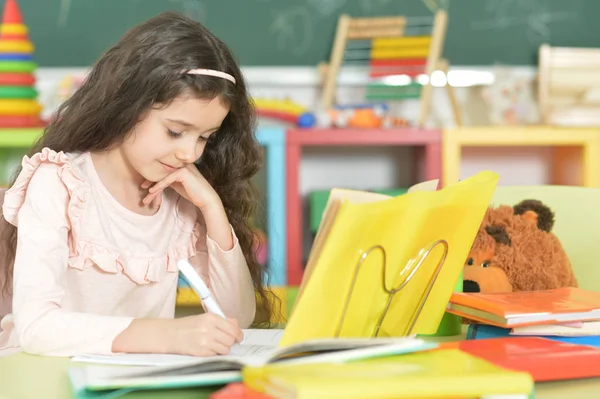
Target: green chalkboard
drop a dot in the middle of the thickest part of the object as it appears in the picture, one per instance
(300, 32)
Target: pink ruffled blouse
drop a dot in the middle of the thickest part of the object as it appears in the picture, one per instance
(86, 266)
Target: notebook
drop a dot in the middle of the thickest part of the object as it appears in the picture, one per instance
(368, 261)
(218, 370)
(516, 309)
(448, 373)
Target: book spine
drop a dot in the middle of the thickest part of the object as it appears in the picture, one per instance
(482, 331)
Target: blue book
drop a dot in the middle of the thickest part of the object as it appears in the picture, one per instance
(483, 331)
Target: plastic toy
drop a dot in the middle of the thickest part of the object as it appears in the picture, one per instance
(68, 86)
(359, 116)
(306, 120)
(284, 110)
(18, 97)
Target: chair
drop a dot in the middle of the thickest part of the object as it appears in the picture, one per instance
(577, 223)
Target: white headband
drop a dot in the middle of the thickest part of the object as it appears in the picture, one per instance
(212, 72)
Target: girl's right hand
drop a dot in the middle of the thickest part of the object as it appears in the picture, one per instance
(207, 334)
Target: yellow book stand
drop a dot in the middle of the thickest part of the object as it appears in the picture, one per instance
(388, 268)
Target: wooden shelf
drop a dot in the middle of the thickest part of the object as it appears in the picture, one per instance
(570, 144)
(427, 144)
(371, 137)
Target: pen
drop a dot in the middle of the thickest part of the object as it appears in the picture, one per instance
(196, 282)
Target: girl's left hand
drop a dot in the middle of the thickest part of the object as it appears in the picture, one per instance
(187, 182)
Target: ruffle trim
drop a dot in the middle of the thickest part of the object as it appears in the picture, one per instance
(82, 254)
(15, 196)
(141, 270)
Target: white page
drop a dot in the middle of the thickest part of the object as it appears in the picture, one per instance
(588, 328)
(137, 359)
(258, 344)
(249, 353)
(244, 351)
(263, 337)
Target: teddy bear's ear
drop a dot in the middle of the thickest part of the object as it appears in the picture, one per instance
(499, 234)
(535, 212)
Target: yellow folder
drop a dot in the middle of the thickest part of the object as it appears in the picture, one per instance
(364, 280)
(444, 373)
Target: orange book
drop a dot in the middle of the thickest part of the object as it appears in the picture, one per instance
(514, 309)
(544, 359)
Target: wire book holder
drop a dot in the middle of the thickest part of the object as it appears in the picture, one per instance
(413, 268)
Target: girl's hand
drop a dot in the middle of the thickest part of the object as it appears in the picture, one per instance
(204, 335)
(188, 182)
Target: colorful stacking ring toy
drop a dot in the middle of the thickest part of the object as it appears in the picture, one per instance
(15, 46)
(20, 121)
(17, 66)
(16, 79)
(15, 57)
(18, 92)
(18, 96)
(19, 107)
(17, 30)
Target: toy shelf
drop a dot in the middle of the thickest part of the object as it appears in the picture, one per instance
(571, 145)
(427, 143)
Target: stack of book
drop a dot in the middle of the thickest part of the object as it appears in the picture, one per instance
(551, 334)
(565, 314)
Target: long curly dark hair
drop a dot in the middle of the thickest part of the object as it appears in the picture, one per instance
(143, 69)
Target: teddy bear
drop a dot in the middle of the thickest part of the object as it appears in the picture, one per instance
(516, 250)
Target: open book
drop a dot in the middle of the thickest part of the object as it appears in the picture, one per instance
(181, 371)
(376, 255)
(336, 197)
(256, 343)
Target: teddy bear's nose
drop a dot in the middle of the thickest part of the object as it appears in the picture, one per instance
(470, 286)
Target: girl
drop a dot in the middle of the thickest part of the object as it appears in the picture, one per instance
(148, 162)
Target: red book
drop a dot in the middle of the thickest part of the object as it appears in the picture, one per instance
(544, 359)
(512, 309)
